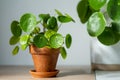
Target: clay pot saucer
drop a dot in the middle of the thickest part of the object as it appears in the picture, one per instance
(43, 74)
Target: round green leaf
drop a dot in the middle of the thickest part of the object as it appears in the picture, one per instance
(113, 9)
(64, 19)
(15, 29)
(14, 40)
(108, 37)
(56, 40)
(84, 11)
(24, 39)
(28, 22)
(40, 41)
(68, 40)
(97, 4)
(15, 50)
(63, 52)
(116, 27)
(96, 24)
(44, 17)
(52, 24)
(49, 33)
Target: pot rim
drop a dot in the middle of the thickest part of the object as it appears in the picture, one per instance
(43, 51)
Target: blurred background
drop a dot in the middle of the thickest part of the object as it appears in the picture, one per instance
(78, 54)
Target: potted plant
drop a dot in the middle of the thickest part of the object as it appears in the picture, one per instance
(43, 39)
(102, 18)
(102, 22)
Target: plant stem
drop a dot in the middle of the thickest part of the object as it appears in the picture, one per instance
(44, 25)
(43, 29)
(59, 26)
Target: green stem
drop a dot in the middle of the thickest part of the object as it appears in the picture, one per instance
(59, 26)
(43, 26)
(43, 29)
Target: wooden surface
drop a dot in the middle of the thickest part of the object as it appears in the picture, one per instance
(66, 73)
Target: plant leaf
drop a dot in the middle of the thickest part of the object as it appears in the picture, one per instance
(96, 24)
(52, 24)
(36, 30)
(56, 40)
(108, 37)
(64, 19)
(40, 41)
(58, 12)
(24, 46)
(67, 15)
(15, 50)
(113, 9)
(24, 39)
(84, 11)
(15, 29)
(28, 22)
(49, 33)
(63, 52)
(68, 40)
(116, 27)
(14, 40)
(44, 17)
(97, 4)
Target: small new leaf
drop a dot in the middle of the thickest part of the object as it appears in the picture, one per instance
(36, 30)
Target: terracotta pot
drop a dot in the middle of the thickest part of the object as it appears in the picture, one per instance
(45, 59)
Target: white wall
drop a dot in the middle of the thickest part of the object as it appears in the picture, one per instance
(78, 54)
